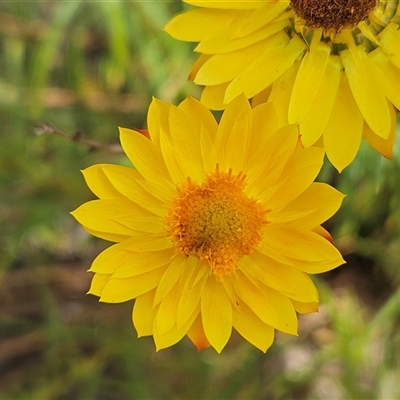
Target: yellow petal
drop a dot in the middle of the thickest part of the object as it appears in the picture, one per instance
(171, 277)
(145, 156)
(231, 39)
(388, 75)
(124, 181)
(271, 307)
(191, 293)
(261, 18)
(174, 335)
(305, 308)
(169, 154)
(199, 115)
(299, 244)
(281, 92)
(213, 96)
(252, 328)
(98, 283)
(141, 263)
(189, 26)
(99, 183)
(117, 216)
(167, 312)
(283, 278)
(266, 165)
(311, 208)
(186, 144)
(143, 314)
(269, 66)
(224, 67)
(389, 39)
(315, 121)
(119, 290)
(309, 78)
(369, 97)
(233, 135)
(111, 237)
(265, 122)
(216, 313)
(166, 315)
(157, 119)
(298, 174)
(342, 135)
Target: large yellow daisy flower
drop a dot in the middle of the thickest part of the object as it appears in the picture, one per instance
(217, 226)
(331, 66)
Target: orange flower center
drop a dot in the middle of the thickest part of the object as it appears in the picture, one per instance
(333, 14)
(216, 221)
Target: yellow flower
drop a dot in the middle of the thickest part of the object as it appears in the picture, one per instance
(217, 226)
(331, 66)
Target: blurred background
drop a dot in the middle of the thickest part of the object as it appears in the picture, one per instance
(71, 72)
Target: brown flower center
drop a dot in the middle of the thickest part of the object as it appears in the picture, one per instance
(216, 221)
(333, 14)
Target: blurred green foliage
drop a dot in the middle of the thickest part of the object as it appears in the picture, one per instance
(90, 67)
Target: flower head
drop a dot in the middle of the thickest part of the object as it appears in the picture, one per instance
(331, 66)
(216, 227)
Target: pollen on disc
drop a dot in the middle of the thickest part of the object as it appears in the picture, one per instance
(216, 220)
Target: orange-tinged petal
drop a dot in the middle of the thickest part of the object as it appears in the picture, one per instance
(197, 336)
(383, 146)
(144, 313)
(216, 313)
